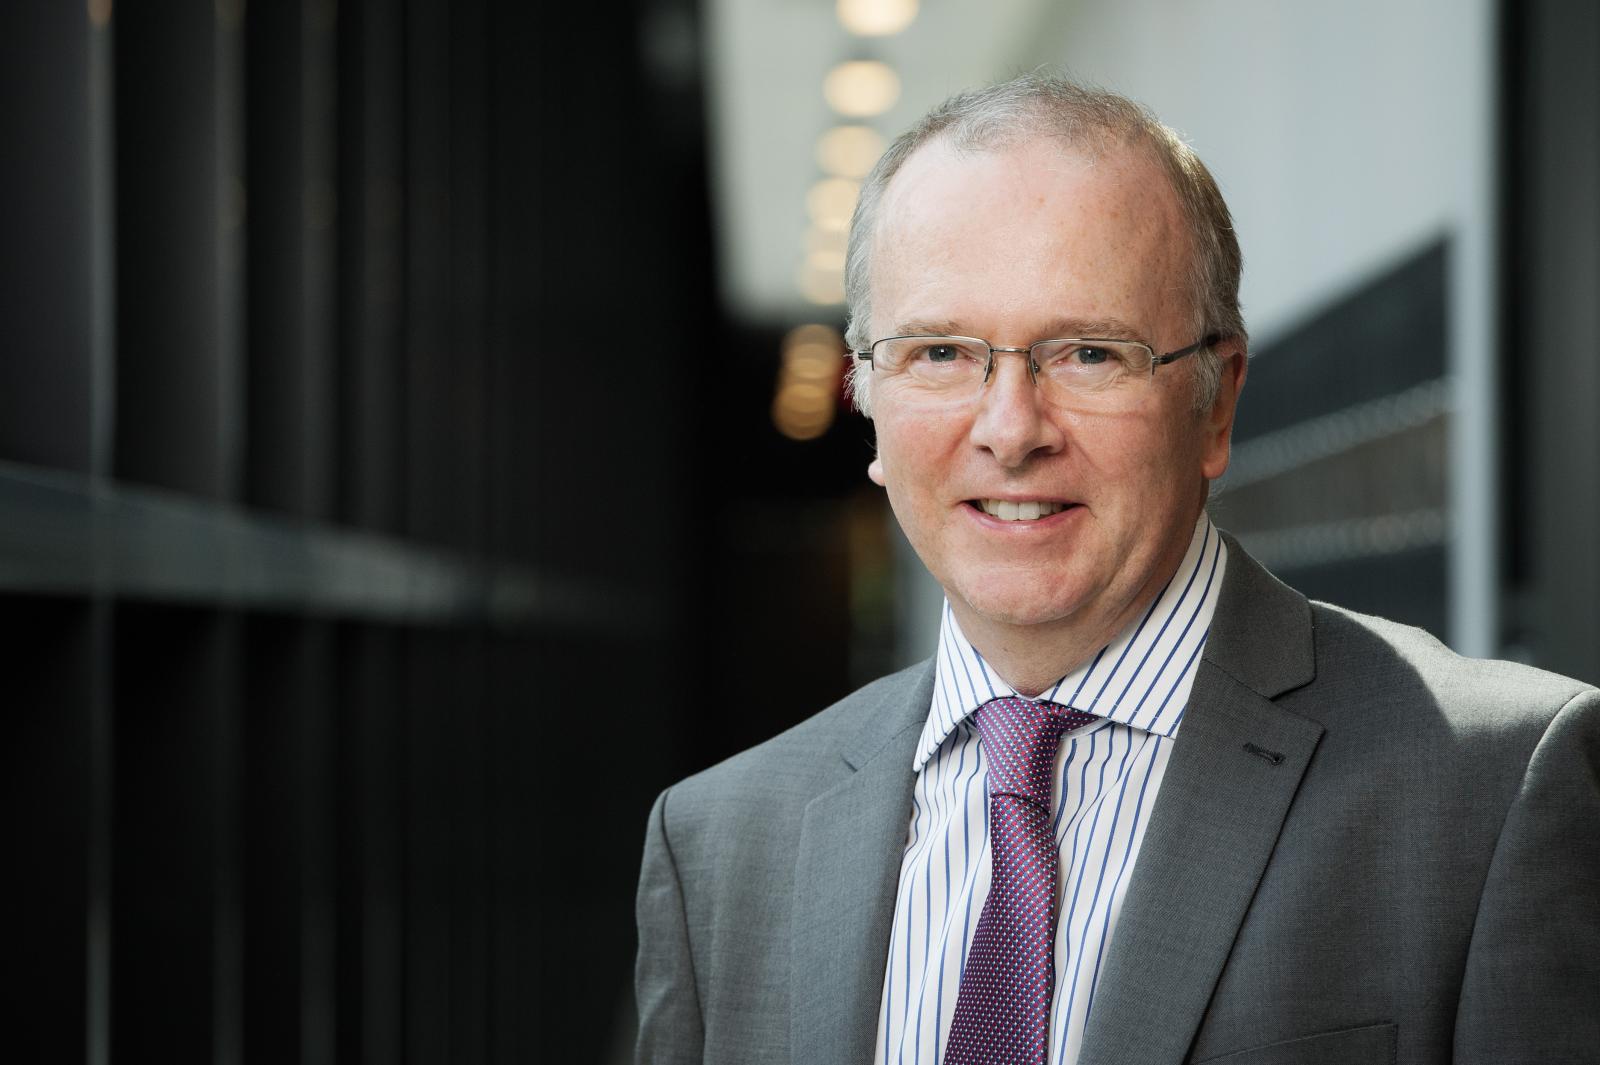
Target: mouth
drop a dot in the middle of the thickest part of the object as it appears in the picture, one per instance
(1018, 510)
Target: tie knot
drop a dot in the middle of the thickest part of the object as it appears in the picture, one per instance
(1019, 739)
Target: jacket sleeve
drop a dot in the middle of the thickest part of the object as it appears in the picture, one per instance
(1531, 991)
(670, 1028)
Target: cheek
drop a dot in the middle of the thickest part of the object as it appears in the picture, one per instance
(914, 453)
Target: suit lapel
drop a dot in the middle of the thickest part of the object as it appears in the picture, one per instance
(852, 838)
(1234, 770)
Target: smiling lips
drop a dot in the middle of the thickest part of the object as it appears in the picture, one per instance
(1029, 510)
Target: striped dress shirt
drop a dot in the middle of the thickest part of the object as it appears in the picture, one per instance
(1105, 783)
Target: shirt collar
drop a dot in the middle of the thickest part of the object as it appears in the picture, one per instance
(1141, 678)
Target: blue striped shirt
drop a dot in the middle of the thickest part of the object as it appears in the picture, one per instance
(1106, 779)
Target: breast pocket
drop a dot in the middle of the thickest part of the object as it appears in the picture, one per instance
(1373, 1044)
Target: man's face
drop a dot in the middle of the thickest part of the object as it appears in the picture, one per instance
(1014, 246)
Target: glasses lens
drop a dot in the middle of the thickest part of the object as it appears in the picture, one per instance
(1089, 370)
(933, 365)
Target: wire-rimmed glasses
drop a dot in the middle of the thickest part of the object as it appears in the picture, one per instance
(1070, 372)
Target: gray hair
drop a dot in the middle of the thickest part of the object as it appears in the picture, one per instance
(1039, 104)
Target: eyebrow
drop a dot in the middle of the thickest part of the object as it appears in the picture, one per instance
(1058, 329)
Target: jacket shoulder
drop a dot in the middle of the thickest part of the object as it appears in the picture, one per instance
(1394, 664)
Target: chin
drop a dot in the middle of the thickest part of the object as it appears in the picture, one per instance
(1013, 600)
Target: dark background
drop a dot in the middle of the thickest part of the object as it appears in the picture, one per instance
(388, 510)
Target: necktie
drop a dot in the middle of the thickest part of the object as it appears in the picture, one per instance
(1002, 1012)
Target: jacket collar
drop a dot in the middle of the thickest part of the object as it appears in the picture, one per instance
(1227, 790)
(847, 867)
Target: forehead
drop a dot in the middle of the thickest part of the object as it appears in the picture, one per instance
(1035, 230)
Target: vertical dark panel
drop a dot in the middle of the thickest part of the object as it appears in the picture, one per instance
(371, 263)
(469, 853)
(46, 380)
(601, 224)
(445, 880)
(431, 706)
(1553, 333)
(319, 311)
(292, 214)
(275, 686)
(516, 1006)
(47, 767)
(444, 283)
(370, 894)
(276, 463)
(174, 913)
(170, 334)
(45, 273)
(287, 847)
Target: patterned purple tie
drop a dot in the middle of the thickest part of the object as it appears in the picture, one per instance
(1003, 1008)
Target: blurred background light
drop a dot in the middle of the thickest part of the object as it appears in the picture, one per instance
(809, 334)
(827, 259)
(849, 151)
(861, 88)
(809, 374)
(876, 18)
(821, 285)
(826, 238)
(831, 201)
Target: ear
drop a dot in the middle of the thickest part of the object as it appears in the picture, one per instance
(1219, 417)
(875, 471)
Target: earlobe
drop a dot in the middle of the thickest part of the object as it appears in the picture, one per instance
(1219, 420)
(875, 472)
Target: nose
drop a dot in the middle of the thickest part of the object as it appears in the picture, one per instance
(1012, 421)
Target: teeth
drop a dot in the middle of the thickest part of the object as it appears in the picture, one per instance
(1031, 510)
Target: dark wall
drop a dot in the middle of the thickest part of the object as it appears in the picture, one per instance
(387, 513)
(1341, 466)
(364, 471)
(1550, 333)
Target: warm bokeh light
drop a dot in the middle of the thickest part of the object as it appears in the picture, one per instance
(809, 376)
(831, 201)
(805, 397)
(861, 88)
(99, 13)
(812, 333)
(834, 239)
(815, 363)
(822, 287)
(826, 260)
(876, 18)
(849, 151)
(797, 424)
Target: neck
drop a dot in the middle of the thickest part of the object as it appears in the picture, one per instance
(1031, 660)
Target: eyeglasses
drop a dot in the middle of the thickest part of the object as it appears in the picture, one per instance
(1075, 372)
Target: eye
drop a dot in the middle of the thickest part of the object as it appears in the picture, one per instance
(934, 358)
(1084, 364)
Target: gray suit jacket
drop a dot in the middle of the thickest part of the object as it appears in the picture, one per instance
(1405, 866)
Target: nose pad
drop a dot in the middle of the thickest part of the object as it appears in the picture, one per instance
(1027, 353)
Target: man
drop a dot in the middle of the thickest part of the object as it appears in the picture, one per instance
(1146, 804)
